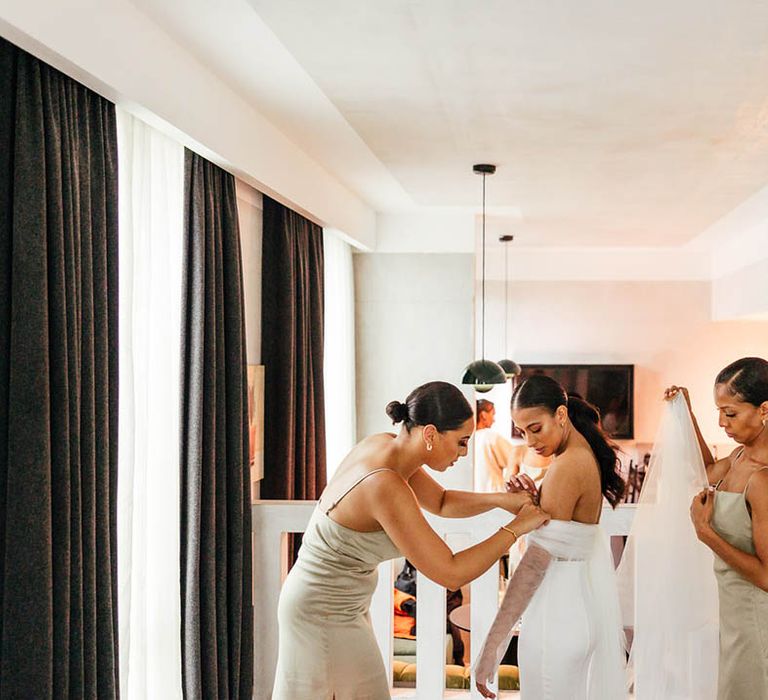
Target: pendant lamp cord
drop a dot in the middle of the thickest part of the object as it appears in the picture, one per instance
(482, 332)
(506, 298)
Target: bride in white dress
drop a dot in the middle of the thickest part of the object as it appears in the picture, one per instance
(571, 639)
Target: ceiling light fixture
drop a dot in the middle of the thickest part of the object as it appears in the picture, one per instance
(510, 367)
(482, 374)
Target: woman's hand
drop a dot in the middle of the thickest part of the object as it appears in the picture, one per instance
(522, 483)
(513, 502)
(672, 391)
(702, 507)
(529, 518)
(483, 690)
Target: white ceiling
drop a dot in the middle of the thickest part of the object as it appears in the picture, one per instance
(612, 123)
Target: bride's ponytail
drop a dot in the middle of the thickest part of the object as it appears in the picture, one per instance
(540, 390)
(586, 419)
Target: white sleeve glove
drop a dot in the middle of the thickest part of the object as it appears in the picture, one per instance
(523, 584)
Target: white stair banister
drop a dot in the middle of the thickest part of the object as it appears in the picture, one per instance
(271, 519)
(382, 615)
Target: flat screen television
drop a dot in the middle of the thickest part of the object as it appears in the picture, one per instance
(609, 387)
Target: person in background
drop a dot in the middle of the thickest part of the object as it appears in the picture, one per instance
(526, 461)
(493, 452)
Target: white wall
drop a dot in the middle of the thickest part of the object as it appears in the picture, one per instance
(663, 328)
(743, 293)
(413, 315)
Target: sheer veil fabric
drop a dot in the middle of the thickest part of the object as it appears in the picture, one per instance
(667, 586)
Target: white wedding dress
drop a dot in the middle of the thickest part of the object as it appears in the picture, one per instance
(571, 641)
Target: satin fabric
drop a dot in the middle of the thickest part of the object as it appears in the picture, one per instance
(327, 648)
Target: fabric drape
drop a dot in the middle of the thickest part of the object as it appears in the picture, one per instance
(216, 598)
(292, 353)
(674, 615)
(58, 384)
(151, 242)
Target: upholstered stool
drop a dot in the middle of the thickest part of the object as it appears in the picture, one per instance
(509, 677)
(405, 674)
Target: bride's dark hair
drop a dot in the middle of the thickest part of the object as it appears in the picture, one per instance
(542, 391)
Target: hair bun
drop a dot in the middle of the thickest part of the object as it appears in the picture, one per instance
(397, 411)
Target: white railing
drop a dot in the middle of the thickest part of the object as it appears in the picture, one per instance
(272, 519)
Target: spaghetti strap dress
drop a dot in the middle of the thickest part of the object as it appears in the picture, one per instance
(743, 667)
(327, 648)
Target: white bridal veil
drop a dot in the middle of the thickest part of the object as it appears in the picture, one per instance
(666, 581)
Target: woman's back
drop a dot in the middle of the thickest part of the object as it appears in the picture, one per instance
(352, 509)
(571, 488)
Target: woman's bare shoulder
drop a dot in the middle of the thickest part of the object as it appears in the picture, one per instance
(565, 473)
(574, 461)
(718, 470)
(370, 450)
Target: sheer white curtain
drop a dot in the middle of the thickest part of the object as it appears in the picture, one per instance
(250, 213)
(151, 182)
(339, 350)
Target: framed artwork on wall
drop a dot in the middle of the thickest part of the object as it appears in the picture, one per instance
(256, 427)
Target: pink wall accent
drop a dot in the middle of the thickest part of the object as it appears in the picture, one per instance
(664, 328)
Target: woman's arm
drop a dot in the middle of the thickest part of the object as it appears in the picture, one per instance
(565, 485)
(753, 567)
(706, 454)
(526, 579)
(393, 504)
(461, 504)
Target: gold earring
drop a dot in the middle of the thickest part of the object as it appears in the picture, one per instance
(429, 447)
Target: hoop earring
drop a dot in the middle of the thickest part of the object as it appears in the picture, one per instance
(429, 447)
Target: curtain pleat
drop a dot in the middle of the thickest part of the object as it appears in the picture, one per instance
(58, 384)
(292, 353)
(217, 615)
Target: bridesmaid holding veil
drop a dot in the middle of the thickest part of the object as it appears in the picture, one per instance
(571, 639)
(731, 518)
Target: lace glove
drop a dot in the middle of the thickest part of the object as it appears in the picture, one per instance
(523, 584)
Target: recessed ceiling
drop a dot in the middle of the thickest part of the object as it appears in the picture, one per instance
(611, 123)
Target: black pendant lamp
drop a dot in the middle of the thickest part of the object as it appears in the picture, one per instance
(482, 374)
(510, 367)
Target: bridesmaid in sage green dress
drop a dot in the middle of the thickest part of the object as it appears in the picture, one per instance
(370, 512)
(731, 518)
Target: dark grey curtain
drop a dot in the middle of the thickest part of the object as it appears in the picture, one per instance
(58, 384)
(217, 614)
(292, 321)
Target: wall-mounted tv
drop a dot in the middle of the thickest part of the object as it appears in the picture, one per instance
(609, 387)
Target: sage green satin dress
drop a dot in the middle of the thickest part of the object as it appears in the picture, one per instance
(327, 648)
(743, 668)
